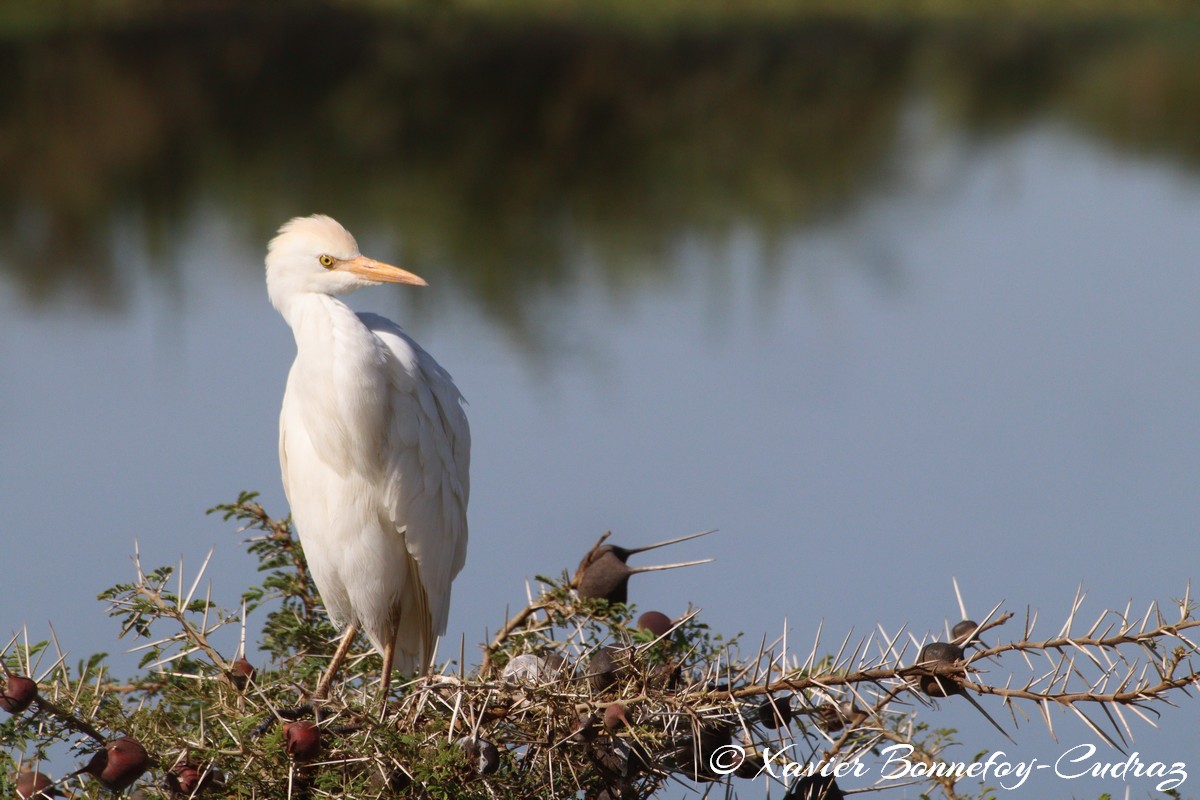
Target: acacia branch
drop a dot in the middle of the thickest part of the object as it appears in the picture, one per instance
(70, 720)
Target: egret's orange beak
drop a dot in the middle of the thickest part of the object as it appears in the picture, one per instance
(374, 270)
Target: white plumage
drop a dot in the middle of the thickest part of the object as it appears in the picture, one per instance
(374, 448)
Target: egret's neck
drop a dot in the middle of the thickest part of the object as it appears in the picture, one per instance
(312, 316)
(331, 341)
(336, 381)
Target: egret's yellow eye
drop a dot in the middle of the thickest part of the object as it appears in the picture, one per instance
(326, 261)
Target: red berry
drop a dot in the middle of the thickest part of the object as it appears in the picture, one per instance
(18, 693)
(31, 783)
(241, 672)
(302, 739)
(615, 716)
(184, 779)
(119, 764)
(656, 622)
(189, 780)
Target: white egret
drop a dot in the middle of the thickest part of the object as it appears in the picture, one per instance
(374, 448)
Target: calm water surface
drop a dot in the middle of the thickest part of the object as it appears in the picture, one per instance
(980, 360)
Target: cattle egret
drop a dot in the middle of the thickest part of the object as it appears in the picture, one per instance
(374, 448)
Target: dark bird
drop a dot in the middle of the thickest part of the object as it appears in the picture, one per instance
(751, 767)
(33, 784)
(666, 676)
(831, 717)
(965, 633)
(604, 666)
(694, 753)
(118, 765)
(617, 758)
(775, 712)
(828, 718)
(939, 653)
(603, 572)
(936, 653)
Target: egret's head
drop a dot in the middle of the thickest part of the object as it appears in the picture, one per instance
(317, 255)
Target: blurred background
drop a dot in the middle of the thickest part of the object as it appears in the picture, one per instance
(889, 299)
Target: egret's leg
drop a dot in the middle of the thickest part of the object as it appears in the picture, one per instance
(339, 656)
(389, 655)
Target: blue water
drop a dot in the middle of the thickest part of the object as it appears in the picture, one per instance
(986, 369)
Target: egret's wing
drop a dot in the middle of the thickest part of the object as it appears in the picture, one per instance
(426, 455)
(283, 461)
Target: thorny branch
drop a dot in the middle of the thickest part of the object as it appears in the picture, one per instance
(550, 678)
(176, 610)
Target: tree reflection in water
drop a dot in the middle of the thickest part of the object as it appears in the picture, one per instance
(506, 155)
